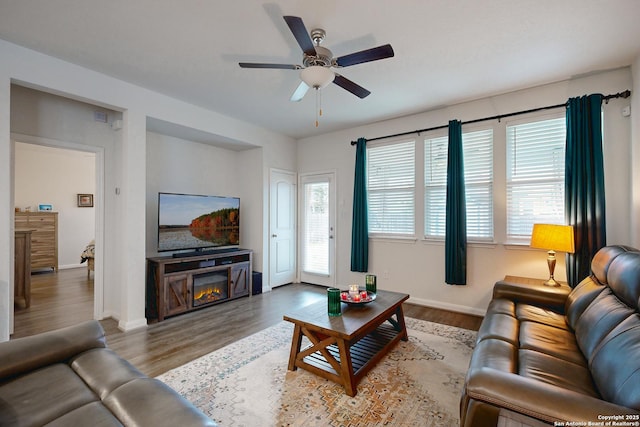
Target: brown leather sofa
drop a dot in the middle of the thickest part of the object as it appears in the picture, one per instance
(69, 377)
(560, 356)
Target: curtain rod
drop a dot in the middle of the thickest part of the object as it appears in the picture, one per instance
(606, 98)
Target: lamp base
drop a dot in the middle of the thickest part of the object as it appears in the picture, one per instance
(551, 282)
(551, 262)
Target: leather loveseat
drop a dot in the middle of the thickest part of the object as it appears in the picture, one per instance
(69, 377)
(560, 356)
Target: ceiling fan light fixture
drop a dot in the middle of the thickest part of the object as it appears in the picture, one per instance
(317, 77)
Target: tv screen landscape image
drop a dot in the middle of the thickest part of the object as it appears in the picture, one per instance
(188, 221)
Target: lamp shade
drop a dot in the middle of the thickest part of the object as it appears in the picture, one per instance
(553, 237)
(317, 77)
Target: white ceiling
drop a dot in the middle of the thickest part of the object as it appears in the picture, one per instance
(446, 51)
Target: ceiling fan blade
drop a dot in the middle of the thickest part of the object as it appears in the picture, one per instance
(301, 34)
(263, 65)
(350, 86)
(300, 92)
(368, 55)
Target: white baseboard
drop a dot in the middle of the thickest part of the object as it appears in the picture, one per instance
(70, 266)
(134, 324)
(447, 306)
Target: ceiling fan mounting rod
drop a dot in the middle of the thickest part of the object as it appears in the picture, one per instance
(323, 57)
(317, 35)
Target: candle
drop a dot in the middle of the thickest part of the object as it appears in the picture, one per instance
(364, 295)
(356, 298)
(344, 296)
(353, 290)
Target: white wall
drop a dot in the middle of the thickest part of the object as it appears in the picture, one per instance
(176, 165)
(55, 176)
(7, 241)
(124, 167)
(417, 267)
(635, 153)
(249, 177)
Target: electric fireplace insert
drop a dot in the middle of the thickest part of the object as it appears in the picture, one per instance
(210, 287)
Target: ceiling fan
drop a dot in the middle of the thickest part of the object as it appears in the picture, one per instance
(318, 61)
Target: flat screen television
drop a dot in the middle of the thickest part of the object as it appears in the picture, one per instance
(189, 221)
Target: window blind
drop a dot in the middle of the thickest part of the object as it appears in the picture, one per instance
(535, 175)
(478, 174)
(316, 228)
(391, 188)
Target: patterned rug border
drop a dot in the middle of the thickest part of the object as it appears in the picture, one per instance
(221, 383)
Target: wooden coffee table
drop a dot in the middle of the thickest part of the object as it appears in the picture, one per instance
(344, 348)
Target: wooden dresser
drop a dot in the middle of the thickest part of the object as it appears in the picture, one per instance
(22, 278)
(44, 237)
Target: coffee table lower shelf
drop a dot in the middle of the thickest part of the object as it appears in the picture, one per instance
(362, 352)
(342, 361)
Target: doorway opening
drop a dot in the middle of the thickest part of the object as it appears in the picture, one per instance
(48, 178)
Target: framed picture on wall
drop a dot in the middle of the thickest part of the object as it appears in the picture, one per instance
(85, 200)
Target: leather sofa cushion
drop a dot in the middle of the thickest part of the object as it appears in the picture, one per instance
(580, 298)
(103, 370)
(552, 341)
(600, 317)
(602, 260)
(52, 347)
(624, 278)
(499, 326)
(94, 414)
(557, 372)
(545, 316)
(494, 354)
(502, 306)
(42, 396)
(149, 402)
(615, 365)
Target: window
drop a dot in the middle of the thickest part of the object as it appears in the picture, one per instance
(391, 188)
(478, 174)
(535, 175)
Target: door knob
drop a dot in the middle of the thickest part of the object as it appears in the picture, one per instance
(274, 235)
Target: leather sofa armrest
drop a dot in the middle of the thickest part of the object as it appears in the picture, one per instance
(532, 291)
(22, 355)
(537, 399)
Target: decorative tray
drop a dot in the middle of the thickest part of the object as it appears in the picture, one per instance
(363, 297)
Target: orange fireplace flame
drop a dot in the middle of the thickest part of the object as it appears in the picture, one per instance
(209, 294)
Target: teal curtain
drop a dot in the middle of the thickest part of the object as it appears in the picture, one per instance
(455, 243)
(360, 219)
(584, 184)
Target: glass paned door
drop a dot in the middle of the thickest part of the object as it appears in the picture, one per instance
(317, 229)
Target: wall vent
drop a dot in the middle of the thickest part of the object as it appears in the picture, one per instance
(100, 116)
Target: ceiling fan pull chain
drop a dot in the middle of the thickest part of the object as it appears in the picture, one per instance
(317, 108)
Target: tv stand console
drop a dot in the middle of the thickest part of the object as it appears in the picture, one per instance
(177, 285)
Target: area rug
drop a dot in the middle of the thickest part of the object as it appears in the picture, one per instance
(247, 383)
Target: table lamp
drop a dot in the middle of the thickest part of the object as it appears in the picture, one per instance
(552, 237)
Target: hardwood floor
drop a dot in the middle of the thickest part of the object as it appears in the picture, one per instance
(66, 298)
(58, 299)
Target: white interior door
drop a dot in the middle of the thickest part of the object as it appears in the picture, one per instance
(282, 228)
(317, 228)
